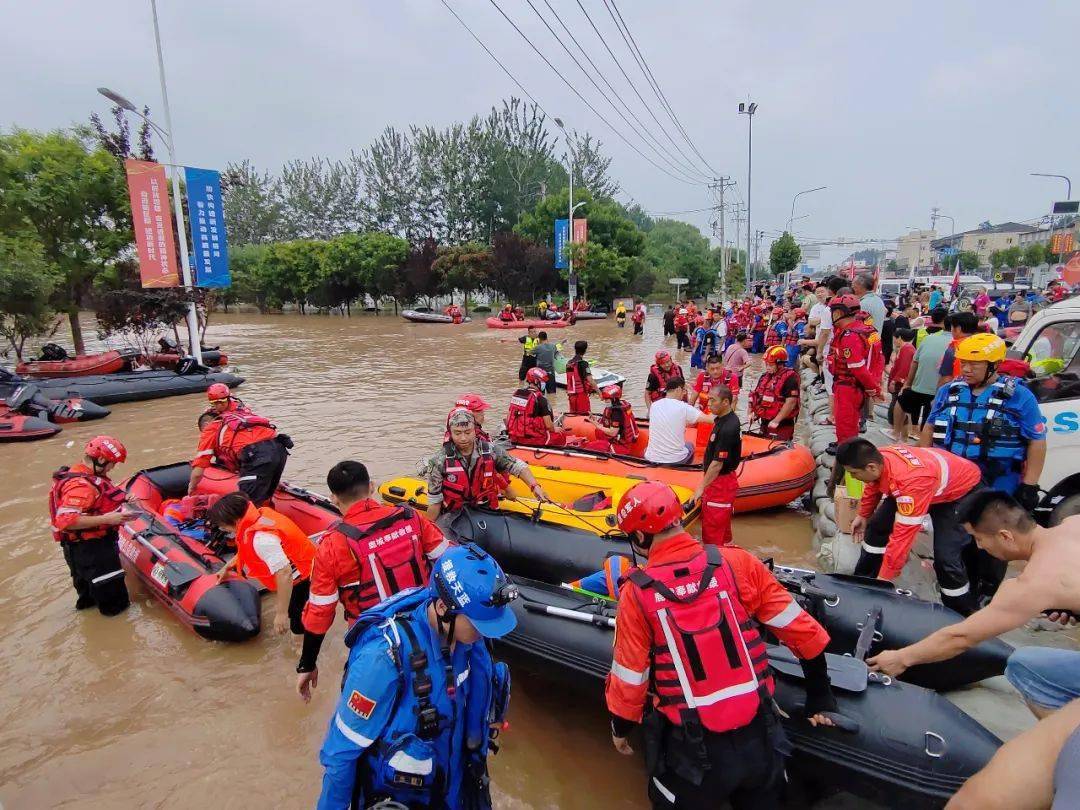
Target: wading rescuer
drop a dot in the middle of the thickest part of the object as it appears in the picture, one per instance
(85, 510)
(617, 424)
(714, 374)
(469, 471)
(529, 341)
(663, 370)
(579, 381)
(372, 553)
(530, 419)
(422, 700)
(684, 635)
(775, 399)
(720, 483)
(856, 363)
(242, 442)
(904, 485)
(270, 548)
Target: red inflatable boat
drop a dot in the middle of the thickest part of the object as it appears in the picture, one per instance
(17, 427)
(79, 366)
(534, 323)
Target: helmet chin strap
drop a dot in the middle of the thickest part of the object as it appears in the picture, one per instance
(991, 368)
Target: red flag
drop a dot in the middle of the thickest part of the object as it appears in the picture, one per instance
(150, 216)
(954, 288)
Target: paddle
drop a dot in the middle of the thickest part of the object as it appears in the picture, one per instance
(870, 632)
(574, 615)
(177, 575)
(845, 672)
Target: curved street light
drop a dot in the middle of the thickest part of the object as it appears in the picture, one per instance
(793, 199)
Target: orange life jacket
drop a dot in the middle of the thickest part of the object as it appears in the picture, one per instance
(294, 542)
(628, 429)
(109, 499)
(675, 373)
(235, 422)
(767, 398)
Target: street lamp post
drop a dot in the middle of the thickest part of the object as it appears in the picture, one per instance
(178, 207)
(570, 288)
(1068, 196)
(793, 199)
(748, 110)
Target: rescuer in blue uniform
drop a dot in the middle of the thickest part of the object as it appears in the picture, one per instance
(993, 420)
(421, 693)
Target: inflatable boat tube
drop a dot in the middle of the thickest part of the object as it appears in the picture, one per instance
(912, 747)
(132, 386)
(843, 603)
(772, 473)
(536, 323)
(28, 400)
(582, 500)
(213, 358)
(79, 366)
(429, 317)
(17, 427)
(589, 315)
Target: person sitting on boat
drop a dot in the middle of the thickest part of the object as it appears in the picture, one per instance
(530, 418)
(711, 691)
(422, 698)
(713, 375)
(455, 313)
(669, 419)
(507, 313)
(519, 313)
(617, 424)
(373, 552)
(607, 580)
(720, 483)
(1049, 585)
(466, 470)
(85, 510)
(620, 315)
(774, 402)
(269, 548)
(244, 443)
(662, 371)
(579, 381)
(474, 404)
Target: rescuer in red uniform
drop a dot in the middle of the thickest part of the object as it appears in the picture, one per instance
(713, 375)
(617, 424)
(85, 511)
(852, 360)
(775, 399)
(530, 419)
(662, 370)
(688, 652)
(720, 483)
(242, 442)
(373, 552)
(579, 381)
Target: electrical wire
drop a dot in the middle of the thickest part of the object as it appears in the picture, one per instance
(671, 162)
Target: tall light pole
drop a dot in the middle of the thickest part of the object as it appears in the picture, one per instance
(748, 110)
(571, 208)
(1068, 196)
(178, 207)
(793, 199)
(952, 232)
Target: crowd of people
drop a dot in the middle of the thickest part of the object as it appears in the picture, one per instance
(422, 699)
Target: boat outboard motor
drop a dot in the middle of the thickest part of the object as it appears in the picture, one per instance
(21, 397)
(189, 365)
(53, 352)
(169, 345)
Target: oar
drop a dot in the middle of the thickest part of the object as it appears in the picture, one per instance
(178, 575)
(845, 672)
(566, 509)
(869, 633)
(575, 615)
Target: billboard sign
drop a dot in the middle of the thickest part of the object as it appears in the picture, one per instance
(152, 221)
(209, 249)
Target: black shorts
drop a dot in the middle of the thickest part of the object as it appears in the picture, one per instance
(916, 405)
(261, 466)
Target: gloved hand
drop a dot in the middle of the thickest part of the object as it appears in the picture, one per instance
(1027, 495)
(819, 700)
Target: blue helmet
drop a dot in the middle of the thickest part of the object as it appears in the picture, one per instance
(473, 585)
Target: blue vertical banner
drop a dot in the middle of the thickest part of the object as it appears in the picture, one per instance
(562, 236)
(210, 254)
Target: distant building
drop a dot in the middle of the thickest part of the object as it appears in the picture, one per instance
(915, 249)
(984, 240)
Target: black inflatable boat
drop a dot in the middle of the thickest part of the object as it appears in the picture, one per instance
(131, 386)
(912, 747)
(842, 604)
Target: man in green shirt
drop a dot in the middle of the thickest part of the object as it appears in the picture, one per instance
(545, 358)
(922, 381)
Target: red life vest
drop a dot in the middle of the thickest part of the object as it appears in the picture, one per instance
(793, 335)
(522, 425)
(390, 557)
(728, 378)
(772, 338)
(838, 364)
(234, 421)
(767, 398)
(707, 657)
(628, 430)
(462, 489)
(662, 377)
(577, 390)
(109, 499)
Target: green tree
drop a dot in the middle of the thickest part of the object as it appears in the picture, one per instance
(736, 280)
(345, 270)
(1012, 256)
(251, 205)
(602, 272)
(124, 309)
(464, 268)
(250, 276)
(784, 255)
(608, 224)
(1035, 254)
(997, 259)
(27, 281)
(679, 250)
(969, 260)
(384, 257)
(74, 198)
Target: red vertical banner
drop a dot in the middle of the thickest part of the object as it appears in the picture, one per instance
(581, 231)
(150, 216)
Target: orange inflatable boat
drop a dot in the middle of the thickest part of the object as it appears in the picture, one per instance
(773, 473)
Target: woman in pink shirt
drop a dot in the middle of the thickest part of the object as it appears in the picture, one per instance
(981, 302)
(737, 356)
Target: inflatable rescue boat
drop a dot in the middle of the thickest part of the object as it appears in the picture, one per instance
(772, 473)
(904, 746)
(534, 323)
(26, 414)
(79, 366)
(429, 317)
(131, 386)
(212, 358)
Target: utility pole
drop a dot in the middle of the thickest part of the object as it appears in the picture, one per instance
(725, 261)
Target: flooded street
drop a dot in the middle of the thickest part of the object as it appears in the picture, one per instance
(137, 711)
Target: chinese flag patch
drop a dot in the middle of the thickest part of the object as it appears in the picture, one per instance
(361, 705)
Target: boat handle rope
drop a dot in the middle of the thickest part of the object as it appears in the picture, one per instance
(930, 735)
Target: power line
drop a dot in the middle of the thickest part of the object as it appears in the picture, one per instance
(620, 23)
(585, 101)
(671, 162)
(684, 211)
(630, 82)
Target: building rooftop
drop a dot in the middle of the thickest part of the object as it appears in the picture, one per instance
(1004, 227)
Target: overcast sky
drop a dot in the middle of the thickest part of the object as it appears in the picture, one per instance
(895, 107)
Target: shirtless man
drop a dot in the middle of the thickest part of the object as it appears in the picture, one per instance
(1046, 677)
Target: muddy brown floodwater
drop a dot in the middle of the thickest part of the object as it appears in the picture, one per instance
(137, 711)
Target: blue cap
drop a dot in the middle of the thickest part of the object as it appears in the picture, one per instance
(473, 585)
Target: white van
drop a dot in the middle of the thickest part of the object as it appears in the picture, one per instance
(1051, 342)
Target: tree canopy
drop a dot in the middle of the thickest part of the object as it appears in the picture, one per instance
(784, 255)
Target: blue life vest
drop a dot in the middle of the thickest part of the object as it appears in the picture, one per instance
(419, 759)
(985, 431)
(708, 343)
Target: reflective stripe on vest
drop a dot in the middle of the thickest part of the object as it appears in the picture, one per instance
(522, 424)
(989, 433)
(628, 429)
(460, 488)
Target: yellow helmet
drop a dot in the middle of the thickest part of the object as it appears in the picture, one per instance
(983, 348)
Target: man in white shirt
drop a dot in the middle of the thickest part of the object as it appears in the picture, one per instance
(821, 318)
(668, 420)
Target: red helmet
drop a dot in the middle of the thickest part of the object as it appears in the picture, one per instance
(536, 375)
(474, 402)
(777, 311)
(217, 392)
(648, 507)
(106, 448)
(662, 355)
(848, 303)
(799, 312)
(776, 354)
(611, 392)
